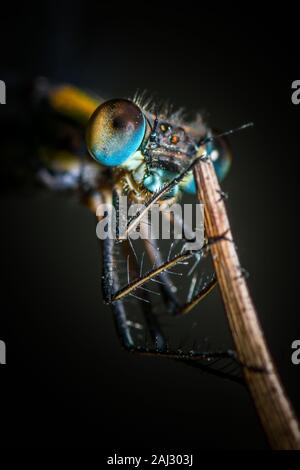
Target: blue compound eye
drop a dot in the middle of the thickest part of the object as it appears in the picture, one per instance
(220, 153)
(221, 156)
(115, 131)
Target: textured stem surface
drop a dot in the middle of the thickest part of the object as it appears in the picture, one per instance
(273, 407)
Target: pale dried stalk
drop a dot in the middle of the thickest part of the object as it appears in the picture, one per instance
(273, 407)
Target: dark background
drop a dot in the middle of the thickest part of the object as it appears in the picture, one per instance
(67, 381)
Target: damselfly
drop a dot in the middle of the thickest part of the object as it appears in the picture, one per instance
(145, 153)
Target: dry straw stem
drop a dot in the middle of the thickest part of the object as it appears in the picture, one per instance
(273, 407)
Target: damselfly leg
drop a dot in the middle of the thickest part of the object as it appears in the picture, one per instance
(140, 290)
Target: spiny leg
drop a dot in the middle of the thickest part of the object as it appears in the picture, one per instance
(194, 358)
(140, 281)
(110, 285)
(110, 282)
(169, 293)
(153, 273)
(207, 288)
(167, 285)
(189, 236)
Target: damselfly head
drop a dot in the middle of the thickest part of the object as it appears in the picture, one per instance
(169, 146)
(153, 146)
(119, 127)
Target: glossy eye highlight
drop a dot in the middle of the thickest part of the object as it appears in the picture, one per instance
(115, 131)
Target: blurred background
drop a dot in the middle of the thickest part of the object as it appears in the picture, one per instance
(67, 381)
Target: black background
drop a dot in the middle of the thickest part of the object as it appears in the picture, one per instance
(67, 381)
